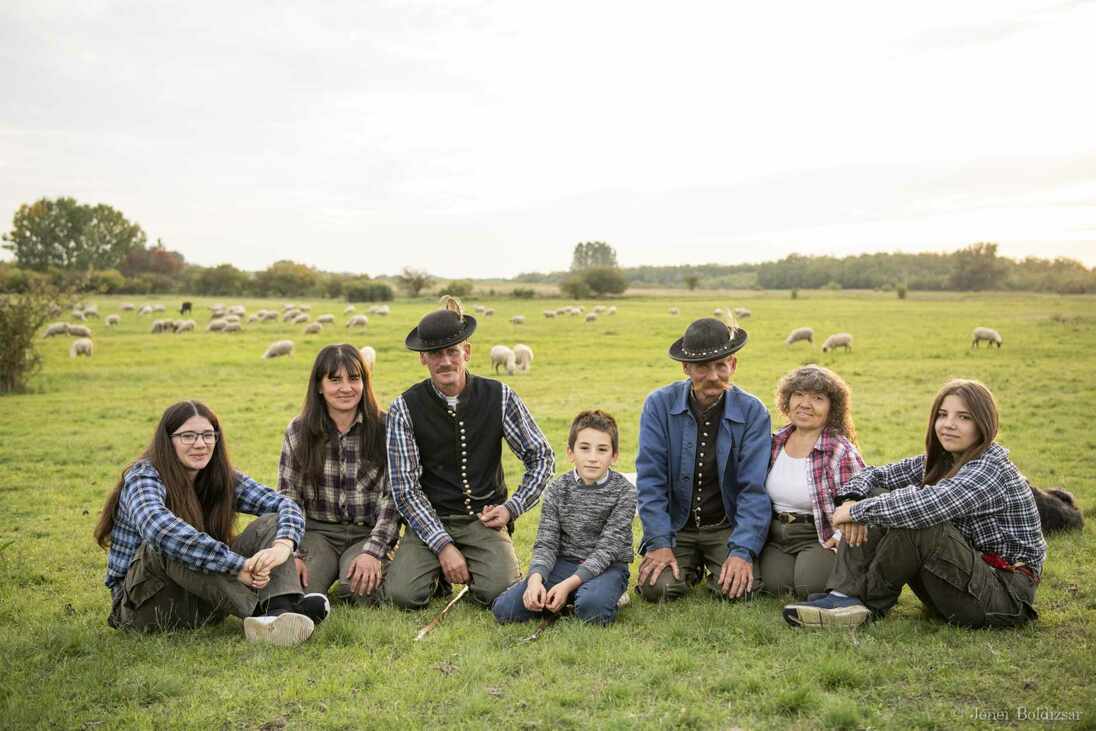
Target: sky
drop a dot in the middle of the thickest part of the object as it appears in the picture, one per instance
(477, 139)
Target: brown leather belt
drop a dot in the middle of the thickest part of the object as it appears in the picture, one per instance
(789, 518)
(1026, 571)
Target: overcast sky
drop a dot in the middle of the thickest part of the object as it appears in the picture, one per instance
(488, 138)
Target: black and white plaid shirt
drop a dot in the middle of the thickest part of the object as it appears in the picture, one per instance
(404, 468)
(349, 492)
(988, 500)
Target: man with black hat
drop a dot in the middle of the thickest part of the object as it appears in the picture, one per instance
(703, 456)
(444, 463)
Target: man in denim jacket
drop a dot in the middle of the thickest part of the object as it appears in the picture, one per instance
(704, 449)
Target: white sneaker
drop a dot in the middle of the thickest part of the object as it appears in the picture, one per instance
(624, 599)
(284, 630)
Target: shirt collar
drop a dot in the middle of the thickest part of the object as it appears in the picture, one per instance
(599, 483)
(732, 408)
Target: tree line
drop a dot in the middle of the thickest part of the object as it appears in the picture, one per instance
(95, 248)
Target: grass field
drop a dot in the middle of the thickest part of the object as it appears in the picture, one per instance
(693, 664)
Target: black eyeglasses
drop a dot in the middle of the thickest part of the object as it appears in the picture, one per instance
(190, 437)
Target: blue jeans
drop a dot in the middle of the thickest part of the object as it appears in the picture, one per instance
(595, 600)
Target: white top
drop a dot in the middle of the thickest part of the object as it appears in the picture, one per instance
(789, 484)
(452, 401)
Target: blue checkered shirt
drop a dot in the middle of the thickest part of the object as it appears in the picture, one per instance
(142, 516)
(988, 500)
(404, 469)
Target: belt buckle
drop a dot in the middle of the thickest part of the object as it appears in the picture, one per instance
(786, 518)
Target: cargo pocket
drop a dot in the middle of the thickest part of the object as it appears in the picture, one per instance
(1008, 604)
(954, 563)
(140, 586)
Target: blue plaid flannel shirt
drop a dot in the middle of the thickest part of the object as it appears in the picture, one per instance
(988, 500)
(142, 516)
(404, 469)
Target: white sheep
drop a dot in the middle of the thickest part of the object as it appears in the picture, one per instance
(517, 320)
(290, 315)
(801, 333)
(674, 311)
(718, 312)
(369, 355)
(162, 326)
(57, 328)
(81, 346)
(78, 315)
(598, 309)
(611, 310)
(348, 310)
(549, 313)
(79, 330)
(185, 326)
(838, 340)
(305, 308)
(279, 347)
(326, 319)
(157, 308)
(478, 309)
(238, 310)
(489, 311)
(113, 320)
(591, 317)
(145, 310)
(232, 327)
(289, 306)
(128, 307)
(503, 356)
(988, 334)
(91, 311)
(232, 318)
(301, 319)
(523, 357)
(255, 317)
(358, 321)
(560, 312)
(313, 328)
(742, 312)
(216, 326)
(270, 315)
(574, 311)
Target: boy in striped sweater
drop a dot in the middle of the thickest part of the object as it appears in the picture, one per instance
(584, 542)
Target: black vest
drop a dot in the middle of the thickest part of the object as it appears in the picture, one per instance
(460, 451)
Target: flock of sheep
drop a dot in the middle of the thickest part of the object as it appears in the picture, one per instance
(517, 359)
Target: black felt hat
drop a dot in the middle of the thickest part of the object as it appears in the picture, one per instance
(707, 339)
(440, 329)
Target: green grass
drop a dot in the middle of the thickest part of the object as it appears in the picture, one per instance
(693, 664)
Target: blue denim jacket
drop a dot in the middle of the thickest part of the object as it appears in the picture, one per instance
(664, 466)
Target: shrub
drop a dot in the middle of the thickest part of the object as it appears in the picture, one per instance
(901, 290)
(832, 284)
(605, 280)
(526, 293)
(795, 294)
(371, 292)
(574, 287)
(21, 315)
(457, 288)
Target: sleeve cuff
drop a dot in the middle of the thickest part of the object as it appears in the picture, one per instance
(652, 544)
(540, 571)
(585, 574)
(512, 507)
(743, 553)
(438, 542)
(376, 549)
(235, 563)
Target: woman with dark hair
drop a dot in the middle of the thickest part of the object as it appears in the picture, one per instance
(958, 524)
(174, 560)
(812, 456)
(333, 464)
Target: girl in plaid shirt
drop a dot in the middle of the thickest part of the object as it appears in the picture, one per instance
(812, 456)
(958, 524)
(174, 558)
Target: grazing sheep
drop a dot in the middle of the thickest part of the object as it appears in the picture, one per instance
(78, 315)
(598, 309)
(162, 326)
(128, 307)
(489, 311)
(523, 357)
(718, 312)
(254, 318)
(988, 334)
(838, 340)
(232, 318)
(549, 313)
(289, 306)
(742, 312)
(158, 308)
(611, 310)
(560, 312)
(238, 310)
(81, 346)
(279, 347)
(186, 308)
(113, 320)
(503, 356)
(802, 333)
(479, 309)
(301, 319)
(305, 308)
(290, 315)
(517, 320)
(270, 315)
(216, 326)
(369, 355)
(358, 321)
(91, 311)
(674, 311)
(79, 330)
(185, 326)
(145, 310)
(57, 328)
(326, 318)
(232, 327)
(313, 328)
(591, 317)
(348, 310)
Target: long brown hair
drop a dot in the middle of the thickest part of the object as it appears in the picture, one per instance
(939, 462)
(318, 426)
(816, 379)
(209, 505)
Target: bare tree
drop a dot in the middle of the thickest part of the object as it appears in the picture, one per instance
(414, 281)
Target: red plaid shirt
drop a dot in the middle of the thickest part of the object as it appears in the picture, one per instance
(834, 460)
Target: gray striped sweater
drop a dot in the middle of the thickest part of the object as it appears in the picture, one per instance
(588, 524)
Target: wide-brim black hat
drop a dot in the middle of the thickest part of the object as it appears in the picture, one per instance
(707, 339)
(440, 329)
